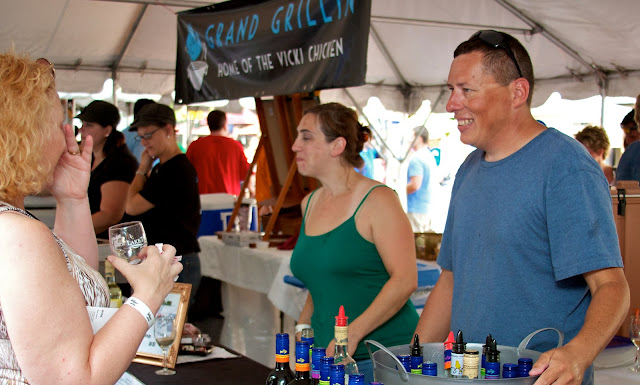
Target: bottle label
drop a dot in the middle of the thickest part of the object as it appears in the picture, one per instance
(457, 364)
(302, 367)
(282, 358)
(470, 371)
(341, 335)
(447, 359)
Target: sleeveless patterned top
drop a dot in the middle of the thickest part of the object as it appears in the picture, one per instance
(93, 287)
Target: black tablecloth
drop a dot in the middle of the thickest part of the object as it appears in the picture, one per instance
(230, 371)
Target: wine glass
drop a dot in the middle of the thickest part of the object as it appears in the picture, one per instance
(127, 240)
(165, 333)
(634, 334)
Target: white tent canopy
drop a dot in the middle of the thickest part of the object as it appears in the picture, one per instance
(579, 48)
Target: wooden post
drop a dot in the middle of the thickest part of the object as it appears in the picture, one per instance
(245, 184)
(283, 194)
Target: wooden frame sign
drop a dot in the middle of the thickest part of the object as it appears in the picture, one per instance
(175, 304)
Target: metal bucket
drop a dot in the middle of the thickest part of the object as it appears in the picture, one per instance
(389, 370)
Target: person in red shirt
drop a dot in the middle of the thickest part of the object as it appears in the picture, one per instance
(219, 160)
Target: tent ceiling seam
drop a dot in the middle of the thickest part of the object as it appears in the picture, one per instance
(169, 3)
(444, 24)
(371, 126)
(64, 10)
(127, 41)
(537, 27)
(405, 87)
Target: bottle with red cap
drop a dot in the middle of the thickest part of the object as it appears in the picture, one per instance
(341, 354)
(448, 345)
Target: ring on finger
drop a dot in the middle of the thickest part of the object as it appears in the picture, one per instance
(73, 152)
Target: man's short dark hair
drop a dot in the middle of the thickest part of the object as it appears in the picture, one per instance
(498, 63)
(217, 120)
(629, 120)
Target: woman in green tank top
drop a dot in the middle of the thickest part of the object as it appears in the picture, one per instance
(356, 246)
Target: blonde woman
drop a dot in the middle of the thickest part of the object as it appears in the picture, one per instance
(596, 141)
(47, 279)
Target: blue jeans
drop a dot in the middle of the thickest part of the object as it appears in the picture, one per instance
(191, 273)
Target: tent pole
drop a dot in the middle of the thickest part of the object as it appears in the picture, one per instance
(114, 77)
(373, 129)
(603, 94)
(438, 99)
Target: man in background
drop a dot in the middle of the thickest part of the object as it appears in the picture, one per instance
(130, 133)
(421, 182)
(629, 164)
(219, 160)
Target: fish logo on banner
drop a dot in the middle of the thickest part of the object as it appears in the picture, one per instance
(197, 69)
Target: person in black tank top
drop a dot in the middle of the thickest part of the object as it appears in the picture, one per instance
(356, 246)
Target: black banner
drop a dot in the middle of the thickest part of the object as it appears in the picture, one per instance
(275, 47)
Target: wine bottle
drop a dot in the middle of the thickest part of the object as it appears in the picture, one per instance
(303, 376)
(325, 370)
(115, 294)
(307, 335)
(281, 374)
(336, 375)
(316, 363)
(341, 354)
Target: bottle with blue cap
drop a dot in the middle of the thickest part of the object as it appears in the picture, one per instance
(316, 357)
(303, 376)
(356, 379)
(430, 369)
(282, 373)
(524, 365)
(336, 375)
(325, 370)
(510, 370)
(405, 360)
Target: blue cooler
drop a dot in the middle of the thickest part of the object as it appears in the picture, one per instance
(428, 274)
(217, 209)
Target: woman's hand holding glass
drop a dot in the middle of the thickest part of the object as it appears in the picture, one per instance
(153, 278)
(127, 241)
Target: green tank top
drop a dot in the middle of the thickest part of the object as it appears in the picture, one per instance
(340, 267)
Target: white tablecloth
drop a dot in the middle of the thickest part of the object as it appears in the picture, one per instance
(253, 296)
(262, 271)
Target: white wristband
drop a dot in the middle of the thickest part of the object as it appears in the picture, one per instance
(300, 327)
(142, 308)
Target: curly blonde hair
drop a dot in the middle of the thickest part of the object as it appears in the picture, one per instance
(594, 138)
(26, 103)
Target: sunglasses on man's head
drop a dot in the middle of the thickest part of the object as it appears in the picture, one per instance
(497, 39)
(47, 63)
